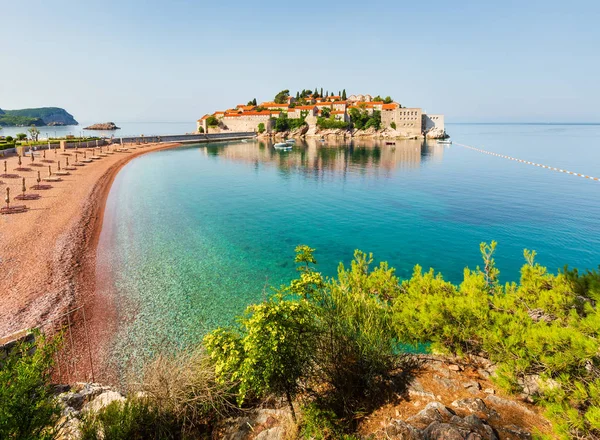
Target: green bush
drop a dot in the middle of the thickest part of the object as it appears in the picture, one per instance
(393, 125)
(261, 127)
(21, 136)
(283, 123)
(27, 408)
(212, 121)
(362, 120)
(132, 419)
(331, 123)
(322, 424)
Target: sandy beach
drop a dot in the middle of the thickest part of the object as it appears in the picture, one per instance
(48, 253)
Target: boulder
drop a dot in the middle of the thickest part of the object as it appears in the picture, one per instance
(400, 430)
(473, 405)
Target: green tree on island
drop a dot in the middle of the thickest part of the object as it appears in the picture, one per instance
(281, 97)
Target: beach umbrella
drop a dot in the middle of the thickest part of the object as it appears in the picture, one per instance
(19, 160)
(84, 155)
(32, 157)
(44, 153)
(55, 151)
(76, 157)
(49, 171)
(5, 167)
(67, 161)
(23, 187)
(7, 199)
(39, 179)
(59, 165)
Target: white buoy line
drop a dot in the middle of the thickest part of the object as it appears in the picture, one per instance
(528, 162)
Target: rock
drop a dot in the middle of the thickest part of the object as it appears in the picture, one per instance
(416, 389)
(472, 385)
(489, 391)
(515, 431)
(104, 400)
(276, 433)
(104, 126)
(433, 412)
(442, 431)
(446, 383)
(454, 367)
(400, 430)
(473, 405)
(495, 400)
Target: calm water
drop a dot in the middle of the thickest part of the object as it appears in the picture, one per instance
(194, 234)
(126, 129)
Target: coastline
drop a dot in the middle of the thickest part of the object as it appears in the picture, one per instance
(48, 254)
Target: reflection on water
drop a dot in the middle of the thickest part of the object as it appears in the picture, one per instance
(339, 156)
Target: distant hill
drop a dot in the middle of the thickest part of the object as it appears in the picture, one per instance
(36, 116)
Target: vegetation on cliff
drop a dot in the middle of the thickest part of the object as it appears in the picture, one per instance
(36, 116)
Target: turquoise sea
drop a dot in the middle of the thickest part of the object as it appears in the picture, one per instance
(194, 234)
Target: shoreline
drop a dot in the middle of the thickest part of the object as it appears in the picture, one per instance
(48, 254)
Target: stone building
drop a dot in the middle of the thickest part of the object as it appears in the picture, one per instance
(411, 122)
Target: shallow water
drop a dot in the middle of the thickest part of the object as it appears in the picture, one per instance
(192, 235)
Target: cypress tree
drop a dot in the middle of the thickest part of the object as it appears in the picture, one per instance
(321, 94)
(344, 95)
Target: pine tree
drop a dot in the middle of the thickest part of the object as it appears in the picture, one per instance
(316, 93)
(321, 94)
(297, 95)
(344, 95)
(254, 101)
(339, 94)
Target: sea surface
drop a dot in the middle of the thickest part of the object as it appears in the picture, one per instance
(126, 129)
(194, 234)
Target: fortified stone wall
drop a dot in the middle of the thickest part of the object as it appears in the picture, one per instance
(408, 120)
(433, 121)
(246, 123)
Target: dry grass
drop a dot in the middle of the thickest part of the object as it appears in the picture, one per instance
(186, 387)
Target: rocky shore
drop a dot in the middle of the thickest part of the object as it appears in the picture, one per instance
(370, 133)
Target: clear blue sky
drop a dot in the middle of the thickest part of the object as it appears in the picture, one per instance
(176, 60)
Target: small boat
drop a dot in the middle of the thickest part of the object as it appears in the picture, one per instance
(444, 141)
(290, 141)
(390, 143)
(282, 146)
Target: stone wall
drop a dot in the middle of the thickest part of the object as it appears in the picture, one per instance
(408, 120)
(433, 122)
(246, 123)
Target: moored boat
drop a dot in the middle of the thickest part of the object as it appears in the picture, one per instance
(282, 146)
(290, 141)
(444, 141)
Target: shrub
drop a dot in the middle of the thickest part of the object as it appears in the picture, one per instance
(261, 127)
(186, 387)
(212, 121)
(132, 419)
(27, 408)
(8, 138)
(270, 352)
(21, 136)
(331, 123)
(200, 129)
(393, 125)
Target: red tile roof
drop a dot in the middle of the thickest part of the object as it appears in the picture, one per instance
(338, 112)
(392, 106)
(306, 107)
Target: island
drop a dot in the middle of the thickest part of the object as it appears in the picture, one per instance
(314, 113)
(103, 126)
(44, 116)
